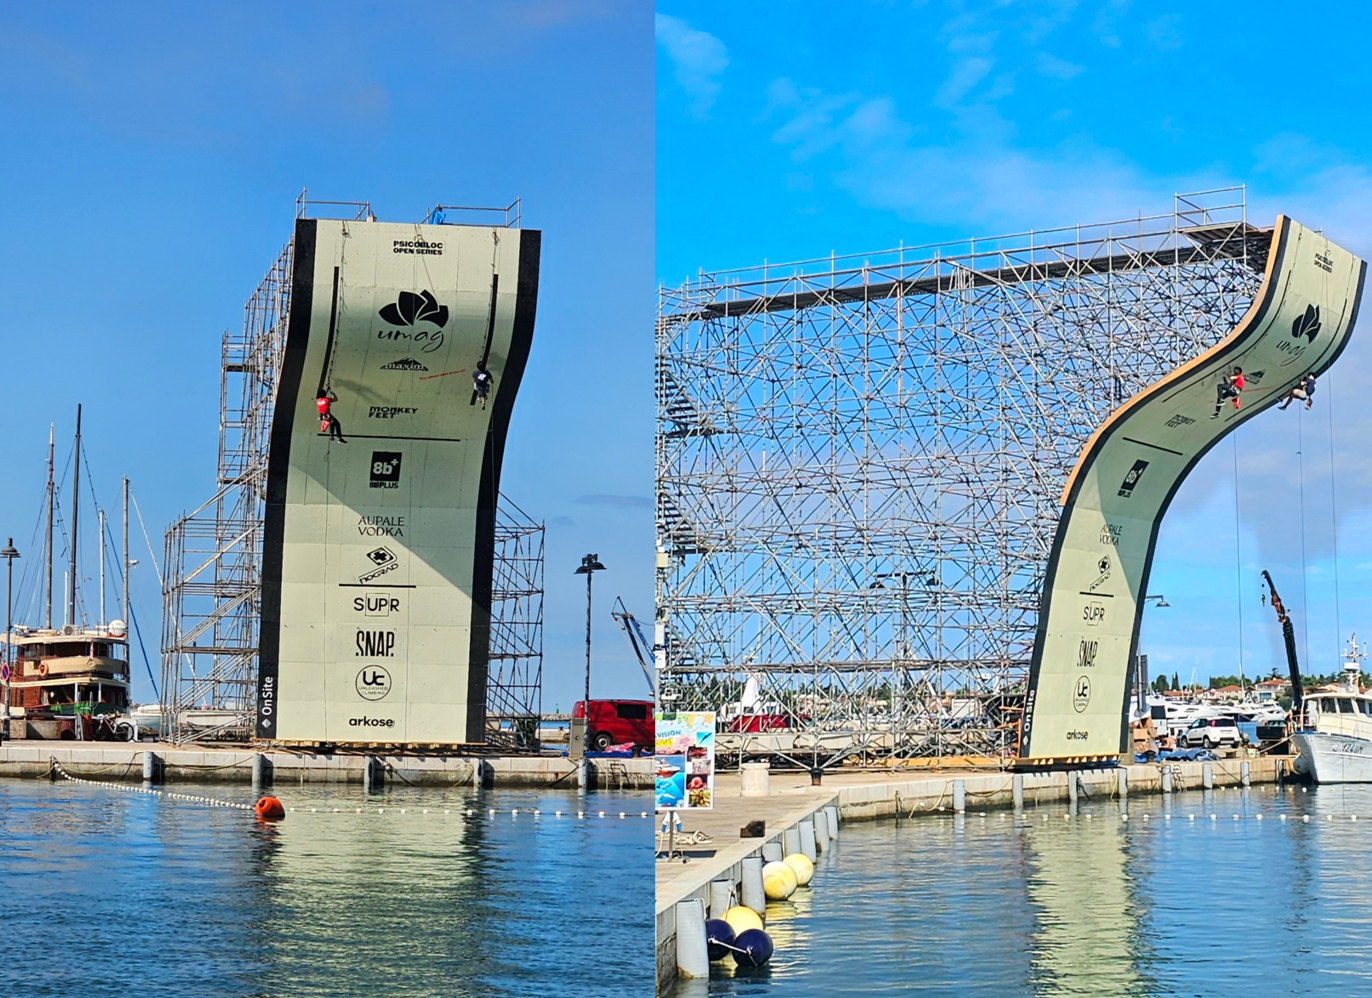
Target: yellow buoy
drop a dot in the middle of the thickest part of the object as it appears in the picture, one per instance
(778, 881)
(741, 918)
(804, 869)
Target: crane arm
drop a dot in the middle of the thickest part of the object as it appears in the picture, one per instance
(1288, 633)
(633, 633)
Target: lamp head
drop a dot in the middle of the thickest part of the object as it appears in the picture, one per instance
(590, 563)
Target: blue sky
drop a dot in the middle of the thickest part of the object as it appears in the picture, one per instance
(789, 130)
(152, 157)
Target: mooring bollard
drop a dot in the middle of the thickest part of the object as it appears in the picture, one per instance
(807, 839)
(1167, 779)
(373, 775)
(1124, 790)
(821, 821)
(771, 852)
(1245, 774)
(1207, 776)
(151, 767)
(692, 953)
(755, 779)
(261, 771)
(753, 896)
(832, 811)
(721, 897)
(959, 795)
(1017, 790)
(790, 842)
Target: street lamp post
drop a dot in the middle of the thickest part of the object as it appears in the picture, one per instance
(9, 554)
(590, 564)
(1141, 663)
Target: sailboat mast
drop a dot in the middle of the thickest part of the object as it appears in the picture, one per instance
(125, 618)
(47, 622)
(75, 510)
(101, 519)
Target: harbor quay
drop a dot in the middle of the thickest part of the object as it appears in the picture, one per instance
(794, 811)
(163, 762)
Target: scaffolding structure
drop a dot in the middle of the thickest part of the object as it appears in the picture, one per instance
(859, 462)
(212, 557)
(514, 684)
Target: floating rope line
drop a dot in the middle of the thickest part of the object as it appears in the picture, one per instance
(514, 812)
(56, 767)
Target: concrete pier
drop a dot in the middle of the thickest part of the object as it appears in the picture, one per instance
(125, 761)
(855, 796)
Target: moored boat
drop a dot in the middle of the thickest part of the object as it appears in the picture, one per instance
(1333, 738)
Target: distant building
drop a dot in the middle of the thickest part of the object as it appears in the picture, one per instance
(1269, 689)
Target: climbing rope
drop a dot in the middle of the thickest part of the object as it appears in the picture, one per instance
(1305, 594)
(1334, 512)
(1238, 544)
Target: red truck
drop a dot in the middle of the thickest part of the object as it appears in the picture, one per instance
(617, 722)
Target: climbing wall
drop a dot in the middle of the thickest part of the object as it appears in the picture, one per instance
(1130, 469)
(378, 551)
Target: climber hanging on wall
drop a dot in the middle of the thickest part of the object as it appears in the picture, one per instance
(1228, 388)
(481, 383)
(328, 422)
(1304, 391)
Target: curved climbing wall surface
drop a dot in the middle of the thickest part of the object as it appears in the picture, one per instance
(378, 551)
(1126, 477)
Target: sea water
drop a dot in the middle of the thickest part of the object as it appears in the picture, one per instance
(999, 904)
(109, 892)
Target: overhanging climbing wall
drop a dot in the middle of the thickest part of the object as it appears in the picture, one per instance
(1131, 468)
(378, 552)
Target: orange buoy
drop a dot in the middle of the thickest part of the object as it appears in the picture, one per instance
(269, 809)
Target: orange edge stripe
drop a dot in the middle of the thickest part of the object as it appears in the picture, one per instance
(1240, 327)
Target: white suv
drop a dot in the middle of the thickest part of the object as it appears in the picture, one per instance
(1211, 732)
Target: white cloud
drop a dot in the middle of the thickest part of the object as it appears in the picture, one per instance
(698, 60)
(1058, 69)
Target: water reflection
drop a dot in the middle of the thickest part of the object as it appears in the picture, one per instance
(178, 899)
(1046, 905)
(1087, 937)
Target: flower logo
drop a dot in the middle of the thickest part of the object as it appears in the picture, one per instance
(1307, 325)
(410, 308)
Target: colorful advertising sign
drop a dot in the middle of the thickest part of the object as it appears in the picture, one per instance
(685, 759)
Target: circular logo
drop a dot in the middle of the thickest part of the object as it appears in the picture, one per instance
(1081, 694)
(373, 683)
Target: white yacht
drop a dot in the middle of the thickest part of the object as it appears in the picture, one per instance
(1333, 737)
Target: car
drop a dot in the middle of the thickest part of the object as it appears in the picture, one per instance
(618, 722)
(1211, 732)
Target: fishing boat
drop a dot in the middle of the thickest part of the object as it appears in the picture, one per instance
(1331, 730)
(1334, 737)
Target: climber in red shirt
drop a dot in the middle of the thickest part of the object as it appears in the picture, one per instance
(1228, 388)
(328, 422)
